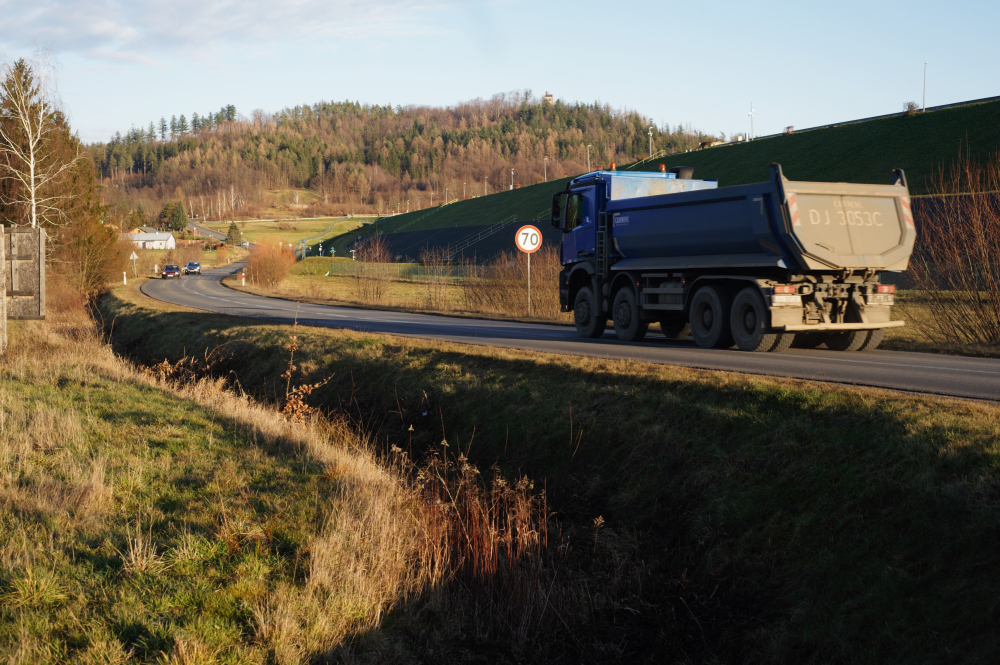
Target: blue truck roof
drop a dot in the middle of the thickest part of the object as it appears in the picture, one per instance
(636, 184)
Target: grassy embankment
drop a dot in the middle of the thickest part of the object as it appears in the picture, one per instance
(150, 521)
(778, 520)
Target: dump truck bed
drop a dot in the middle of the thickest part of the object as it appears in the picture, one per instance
(787, 224)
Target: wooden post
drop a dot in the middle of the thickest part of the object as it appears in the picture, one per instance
(3, 291)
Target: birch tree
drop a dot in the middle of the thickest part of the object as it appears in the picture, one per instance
(27, 155)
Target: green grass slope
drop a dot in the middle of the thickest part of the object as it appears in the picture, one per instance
(859, 152)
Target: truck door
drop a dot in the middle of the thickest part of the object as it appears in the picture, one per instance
(579, 241)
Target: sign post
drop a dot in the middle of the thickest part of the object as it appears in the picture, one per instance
(528, 239)
(135, 270)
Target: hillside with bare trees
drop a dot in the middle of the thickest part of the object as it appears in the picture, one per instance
(347, 157)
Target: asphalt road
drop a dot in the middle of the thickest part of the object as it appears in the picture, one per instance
(976, 378)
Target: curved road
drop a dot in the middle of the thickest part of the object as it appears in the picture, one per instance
(977, 378)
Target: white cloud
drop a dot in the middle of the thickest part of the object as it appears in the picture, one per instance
(119, 30)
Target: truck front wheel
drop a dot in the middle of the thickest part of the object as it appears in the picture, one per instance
(748, 321)
(709, 316)
(625, 311)
(587, 316)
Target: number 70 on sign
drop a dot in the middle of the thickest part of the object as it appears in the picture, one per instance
(528, 239)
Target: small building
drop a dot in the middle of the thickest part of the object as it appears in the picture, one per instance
(144, 229)
(548, 98)
(152, 240)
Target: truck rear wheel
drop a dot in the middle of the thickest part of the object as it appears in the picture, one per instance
(748, 321)
(783, 343)
(709, 316)
(847, 341)
(875, 338)
(586, 315)
(625, 313)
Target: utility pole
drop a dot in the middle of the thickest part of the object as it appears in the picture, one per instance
(588, 158)
(923, 108)
(485, 180)
(751, 120)
(545, 169)
(512, 180)
(463, 191)
(446, 196)
(650, 141)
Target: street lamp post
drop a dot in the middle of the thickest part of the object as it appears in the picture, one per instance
(751, 120)
(588, 158)
(650, 141)
(485, 180)
(923, 108)
(545, 168)
(418, 203)
(463, 191)
(512, 180)
(446, 196)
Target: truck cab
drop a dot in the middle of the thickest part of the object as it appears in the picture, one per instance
(758, 266)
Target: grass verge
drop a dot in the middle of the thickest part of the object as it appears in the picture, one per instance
(775, 519)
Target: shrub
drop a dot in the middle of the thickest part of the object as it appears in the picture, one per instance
(956, 263)
(269, 265)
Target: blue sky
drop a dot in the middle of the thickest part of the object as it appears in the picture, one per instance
(125, 63)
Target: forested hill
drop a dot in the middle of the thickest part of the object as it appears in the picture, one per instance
(352, 157)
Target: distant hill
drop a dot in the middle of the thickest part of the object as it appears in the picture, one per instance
(358, 158)
(864, 151)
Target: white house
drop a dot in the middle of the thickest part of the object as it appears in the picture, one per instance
(152, 240)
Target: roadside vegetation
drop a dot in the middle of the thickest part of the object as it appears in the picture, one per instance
(763, 519)
(496, 289)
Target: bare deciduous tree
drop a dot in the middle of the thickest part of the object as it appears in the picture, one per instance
(27, 128)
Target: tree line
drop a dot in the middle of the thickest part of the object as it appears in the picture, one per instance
(353, 157)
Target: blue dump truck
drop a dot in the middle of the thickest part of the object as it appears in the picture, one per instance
(762, 267)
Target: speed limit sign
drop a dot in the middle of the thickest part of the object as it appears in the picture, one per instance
(528, 239)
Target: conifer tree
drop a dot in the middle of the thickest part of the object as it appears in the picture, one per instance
(163, 128)
(182, 125)
(234, 237)
(178, 218)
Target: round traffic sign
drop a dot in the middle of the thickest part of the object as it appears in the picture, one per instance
(528, 239)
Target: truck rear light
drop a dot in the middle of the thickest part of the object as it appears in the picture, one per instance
(784, 288)
(885, 288)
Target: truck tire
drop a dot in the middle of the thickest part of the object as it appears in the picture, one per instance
(589, 322)
(875, 338)
(674, 327)
(784, 342)
(625, 315)
(709, 317)
(851, 340)
(749, 322)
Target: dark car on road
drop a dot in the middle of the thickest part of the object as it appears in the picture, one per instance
(192, 268)
(171, 270)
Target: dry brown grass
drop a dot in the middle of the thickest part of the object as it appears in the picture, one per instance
(372, 271)
(268, 265)
(501, 286)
